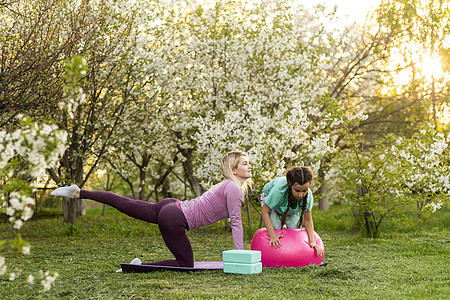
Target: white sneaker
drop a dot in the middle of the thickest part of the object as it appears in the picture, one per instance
(66, 191)
(135, 261)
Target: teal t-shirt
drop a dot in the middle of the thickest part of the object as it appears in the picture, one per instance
(276, 196)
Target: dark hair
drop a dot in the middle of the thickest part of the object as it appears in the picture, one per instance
(300, 175)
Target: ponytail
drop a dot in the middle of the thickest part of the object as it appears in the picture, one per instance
(305, 201)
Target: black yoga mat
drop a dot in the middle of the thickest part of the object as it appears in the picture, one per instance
(198, 266)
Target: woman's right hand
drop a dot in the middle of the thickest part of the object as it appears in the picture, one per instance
(275, 241)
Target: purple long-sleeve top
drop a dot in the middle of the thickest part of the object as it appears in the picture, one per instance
(220, 202)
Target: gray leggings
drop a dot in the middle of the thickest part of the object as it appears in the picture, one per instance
(169, 217)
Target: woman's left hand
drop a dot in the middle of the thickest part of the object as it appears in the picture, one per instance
(319, 250)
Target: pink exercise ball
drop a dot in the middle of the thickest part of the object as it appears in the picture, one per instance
(294, 251)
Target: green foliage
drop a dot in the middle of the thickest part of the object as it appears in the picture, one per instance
(384, 179)
(75, 68)
(337, 219)
(18, 243)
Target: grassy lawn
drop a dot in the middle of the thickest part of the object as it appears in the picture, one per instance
(408, 261)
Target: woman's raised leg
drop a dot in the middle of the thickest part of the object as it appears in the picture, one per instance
(138, 209)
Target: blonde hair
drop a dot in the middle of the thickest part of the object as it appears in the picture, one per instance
(229, 162)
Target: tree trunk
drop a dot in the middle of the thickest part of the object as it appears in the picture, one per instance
(370, 225)
(143, 175)
(248, 214)
(188, 170)
(70, 210)
(80, 209)
(73, 208)
(70, 207)
(323, 200)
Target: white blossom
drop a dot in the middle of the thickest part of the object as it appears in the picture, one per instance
(2, 265)
(435, 206)
(27, 213)
(30, 279)
(18, 224)
(10, 211)
(13, 276)
(48, 279)
(26, 250)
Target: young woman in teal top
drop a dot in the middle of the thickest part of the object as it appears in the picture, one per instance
(283, 198)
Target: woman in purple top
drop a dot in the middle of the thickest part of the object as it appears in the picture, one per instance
(224, 200)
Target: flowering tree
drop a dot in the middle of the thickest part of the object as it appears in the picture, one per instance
(227, 77)
(394, 175)
(238, 77)
(375, 70)
(425, 168)
(30, 72)
(352, 57)
(26, 154)
(375, 103)
(38, 37)
(139, 150)
(92, 116)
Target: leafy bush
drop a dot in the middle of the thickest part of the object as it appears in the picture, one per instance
(393, 174)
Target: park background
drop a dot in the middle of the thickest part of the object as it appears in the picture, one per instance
(143, 98)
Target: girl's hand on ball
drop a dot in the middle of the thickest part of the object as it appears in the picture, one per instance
(319, 250)
(275, 241)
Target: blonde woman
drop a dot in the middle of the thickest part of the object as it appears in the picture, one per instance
(174, 217)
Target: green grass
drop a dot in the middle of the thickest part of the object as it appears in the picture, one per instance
(408, 261)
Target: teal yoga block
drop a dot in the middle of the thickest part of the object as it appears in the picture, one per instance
(242, 256)
(240, 268)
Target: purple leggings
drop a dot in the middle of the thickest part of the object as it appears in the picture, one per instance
(169, 217)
